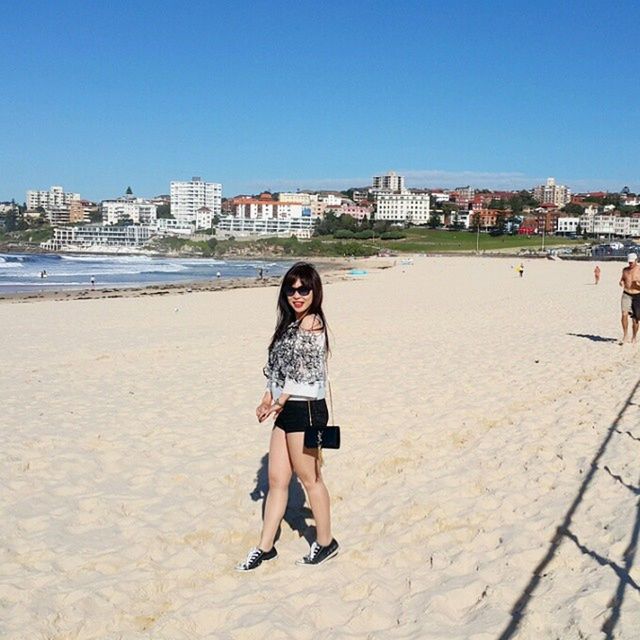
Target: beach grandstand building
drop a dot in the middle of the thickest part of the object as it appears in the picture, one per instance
(98, 236)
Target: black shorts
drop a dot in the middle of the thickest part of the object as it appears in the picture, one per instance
(294, 418)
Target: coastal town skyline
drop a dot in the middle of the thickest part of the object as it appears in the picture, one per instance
(283, 96)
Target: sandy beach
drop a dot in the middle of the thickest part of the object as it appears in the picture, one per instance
(488, 484)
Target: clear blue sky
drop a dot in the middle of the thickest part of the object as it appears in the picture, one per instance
(98, 95)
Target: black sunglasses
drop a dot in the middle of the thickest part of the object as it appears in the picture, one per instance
(291, 291)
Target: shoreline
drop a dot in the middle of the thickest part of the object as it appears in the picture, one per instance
(332, 270)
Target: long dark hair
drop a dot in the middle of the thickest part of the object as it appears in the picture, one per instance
(309, 277)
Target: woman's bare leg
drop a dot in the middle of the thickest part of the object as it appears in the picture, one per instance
(307, 467)
(280, 471)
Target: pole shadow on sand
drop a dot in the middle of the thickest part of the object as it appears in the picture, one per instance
(592, 337)
(297, 513)
(564, 533)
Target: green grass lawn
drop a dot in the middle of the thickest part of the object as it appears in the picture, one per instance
(433, 240)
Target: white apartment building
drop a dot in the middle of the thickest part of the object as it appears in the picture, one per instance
(188, 197)
(138, 210)
(302, 198)
(462, 218)
(568, 225)
(391, 182)
(611, 225)
(412, 208)
(552, 193)
(7, 207)
(55, 197)
(263, 209)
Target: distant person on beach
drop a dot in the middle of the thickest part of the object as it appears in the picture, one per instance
(93, 282)
(260, 273)
(295, 397)
(596, 274)
(520, 269)
(218, 274)
(630, 302)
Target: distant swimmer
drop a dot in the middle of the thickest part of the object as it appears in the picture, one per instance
(630, 302)
(596, 274)
(520, 269)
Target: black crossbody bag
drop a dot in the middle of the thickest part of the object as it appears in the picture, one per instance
(327, 437)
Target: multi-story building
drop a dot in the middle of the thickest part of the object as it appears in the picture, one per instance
(488, 218)
(603, 224)
(265, 208)
(55, 197)
(463, 196)
(266, 216)
(137, 210)
(325, 202)
(188, 197)
(303, 198)
(81, 210)
(390, 182)
(568, 225)
(552, 193)
(409, 208)
(7, 207)
(360, 195)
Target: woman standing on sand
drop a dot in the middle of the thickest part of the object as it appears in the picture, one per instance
(295, 397)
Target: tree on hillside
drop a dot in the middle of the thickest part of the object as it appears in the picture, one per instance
(573, 208)
(434, 220)
(164, 211)
(129, 191)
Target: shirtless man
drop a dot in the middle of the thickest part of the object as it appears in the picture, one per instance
(630, 303)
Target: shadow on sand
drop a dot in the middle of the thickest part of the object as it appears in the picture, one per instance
(563, 534)
(297, 513)
(591, 337)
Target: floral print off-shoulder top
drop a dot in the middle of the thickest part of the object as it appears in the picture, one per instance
(297, 364)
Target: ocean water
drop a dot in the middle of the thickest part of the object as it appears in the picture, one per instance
(21, 272)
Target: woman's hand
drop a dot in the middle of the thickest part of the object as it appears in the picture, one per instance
(265, 403)
(262, 408)
(273, 409)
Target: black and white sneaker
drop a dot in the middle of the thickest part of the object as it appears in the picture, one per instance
(319, 554)
(255, 558)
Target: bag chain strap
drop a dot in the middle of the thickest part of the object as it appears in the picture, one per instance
(319, 432)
